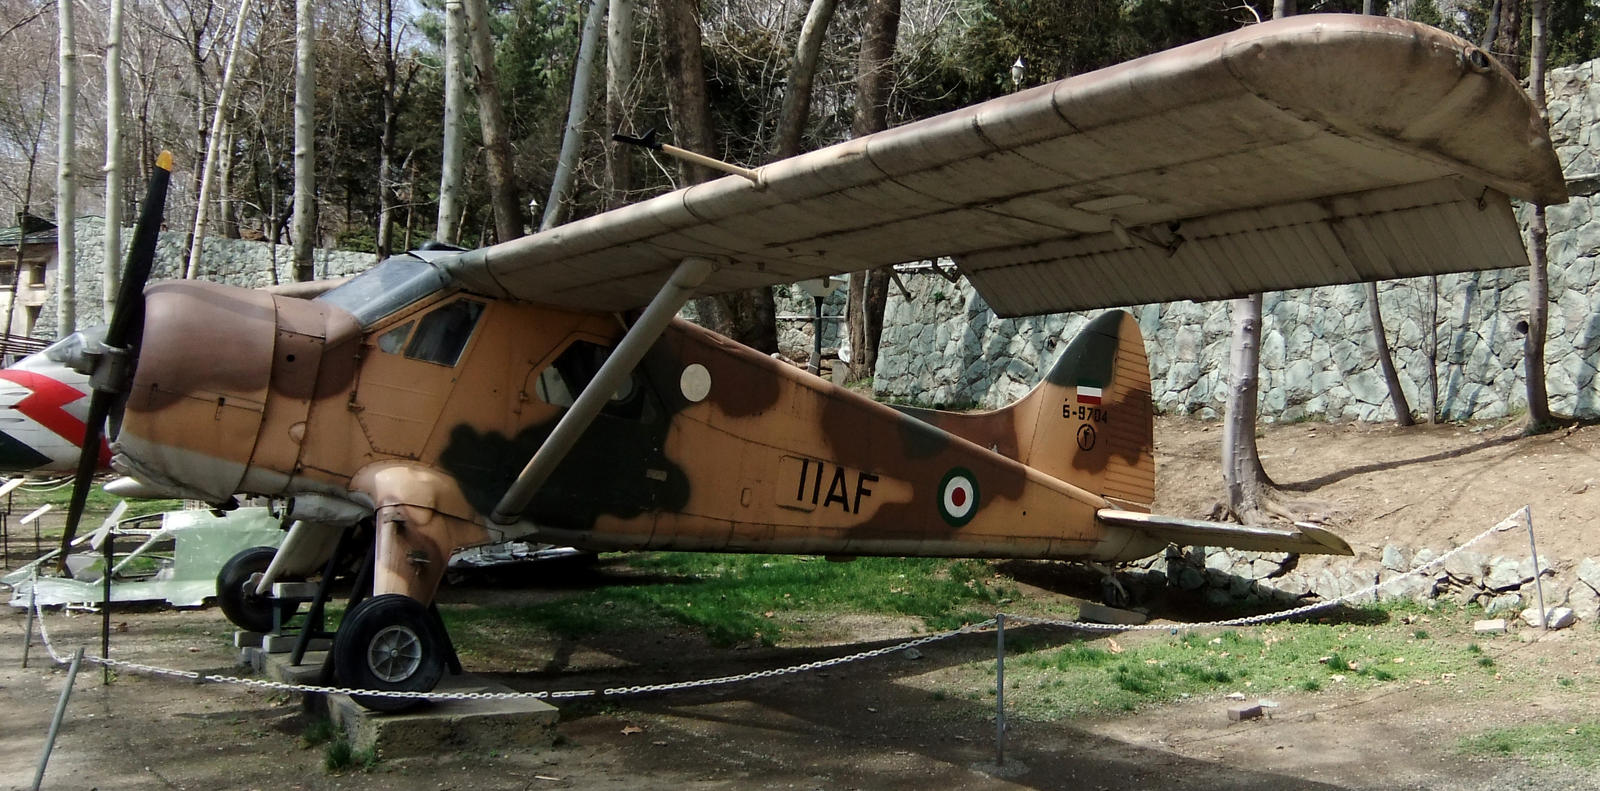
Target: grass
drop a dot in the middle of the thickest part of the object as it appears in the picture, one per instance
(1541, 744)
(99, 503)
(337, 753)
(1092, 678)
(741, 599)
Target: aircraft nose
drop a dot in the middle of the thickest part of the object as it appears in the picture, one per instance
(199, 386)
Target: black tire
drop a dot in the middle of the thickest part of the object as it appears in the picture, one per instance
(388, 643)
(236, 591)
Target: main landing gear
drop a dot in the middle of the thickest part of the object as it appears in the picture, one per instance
(389, 643)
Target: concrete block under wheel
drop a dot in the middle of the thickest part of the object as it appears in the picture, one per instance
(284, 643)
(448, 724)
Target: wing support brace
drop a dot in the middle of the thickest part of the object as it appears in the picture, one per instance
(691, 272)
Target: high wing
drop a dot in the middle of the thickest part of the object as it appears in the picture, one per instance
(1307, 151)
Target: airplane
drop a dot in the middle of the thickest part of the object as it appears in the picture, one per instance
(543, 386)
(43, 404)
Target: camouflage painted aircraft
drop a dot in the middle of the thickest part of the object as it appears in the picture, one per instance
(543, 386)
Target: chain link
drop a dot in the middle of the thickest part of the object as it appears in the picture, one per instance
(806, 667)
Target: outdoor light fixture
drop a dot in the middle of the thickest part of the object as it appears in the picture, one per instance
(1017, 70)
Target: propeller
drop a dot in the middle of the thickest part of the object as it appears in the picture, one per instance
(110, 368)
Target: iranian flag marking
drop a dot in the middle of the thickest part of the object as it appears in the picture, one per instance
(958, 496)
(1088, 393)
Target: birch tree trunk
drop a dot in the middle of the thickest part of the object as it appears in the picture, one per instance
(1245, 480)
(305, 175)
(869, 291)
(1539, 269)
(66, 186)
(447, 229)
(214, 148)
(802, 70)
(492, 118)
(111, 264)
(555, 208)
(1433, 349)
(391, 114)
(619, 92)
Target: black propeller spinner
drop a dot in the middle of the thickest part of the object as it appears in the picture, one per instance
(111, 366)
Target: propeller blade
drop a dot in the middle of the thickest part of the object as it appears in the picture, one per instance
(114, 368)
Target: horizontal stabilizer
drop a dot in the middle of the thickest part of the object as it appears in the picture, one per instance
(1304, 538)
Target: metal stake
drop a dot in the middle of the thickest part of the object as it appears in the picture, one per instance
(27, 634)
(1000, 689)
(55, 722)
(105, 609)
(1538, 583)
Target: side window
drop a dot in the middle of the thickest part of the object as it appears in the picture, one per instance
(571, 372)
(442, 334)
(393, 340)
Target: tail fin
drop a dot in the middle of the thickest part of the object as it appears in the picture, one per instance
(1093, 426)
(1089, 422)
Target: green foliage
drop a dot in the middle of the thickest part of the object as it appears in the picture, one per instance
(1541, 744)
(1080, 678)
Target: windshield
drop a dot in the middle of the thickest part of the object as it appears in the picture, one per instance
(70, 348)
(386, 288)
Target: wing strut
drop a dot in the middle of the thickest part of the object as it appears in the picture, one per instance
(691, 272)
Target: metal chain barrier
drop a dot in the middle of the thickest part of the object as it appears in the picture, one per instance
(279, 686)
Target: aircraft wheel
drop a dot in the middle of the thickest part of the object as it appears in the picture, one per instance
(1113, 593)
(388, 643)
(236, 591)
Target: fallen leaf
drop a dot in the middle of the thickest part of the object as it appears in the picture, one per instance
(1112, 644)
(629, 730)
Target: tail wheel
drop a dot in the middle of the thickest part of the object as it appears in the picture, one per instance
(236, 591)
(388, 643)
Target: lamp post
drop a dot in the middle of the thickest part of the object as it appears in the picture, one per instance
(1018, 71)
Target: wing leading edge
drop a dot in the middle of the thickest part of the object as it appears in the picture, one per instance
(1313, 150)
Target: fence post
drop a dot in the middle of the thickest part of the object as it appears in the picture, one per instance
(55, 722)
(1538, 581)
(1000, 689)
(33, 607)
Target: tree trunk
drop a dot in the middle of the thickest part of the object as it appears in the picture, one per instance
(448, 229)
(619, 93)
(305, 175)
(1539, 269)
(869, 291)
(802, 70)
(492, 118)
(111, 263)
(1248, 487)
(1402, 408)
(1433, 349)
(391, 113)
(66, 186)
(555, 208)
(227, 211)
(686, 82)
(214, 148)
(1508, 35)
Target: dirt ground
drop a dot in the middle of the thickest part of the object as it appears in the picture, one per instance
(877, 724)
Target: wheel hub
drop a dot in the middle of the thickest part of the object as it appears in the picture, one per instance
(394, 654)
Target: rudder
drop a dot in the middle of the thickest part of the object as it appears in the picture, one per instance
(1093, 418)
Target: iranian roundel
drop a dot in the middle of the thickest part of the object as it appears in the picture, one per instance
(958, 496)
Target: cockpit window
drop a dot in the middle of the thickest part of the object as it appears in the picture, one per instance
(71, 347)
(386, 288)
(442, 334)
(393, 340)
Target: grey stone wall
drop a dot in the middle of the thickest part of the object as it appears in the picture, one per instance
(944, 346)
(233, 261)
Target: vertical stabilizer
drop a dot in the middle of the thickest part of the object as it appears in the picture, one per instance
(1093, 422)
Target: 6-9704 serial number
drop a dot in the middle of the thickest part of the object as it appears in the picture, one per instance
(1092, 414)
